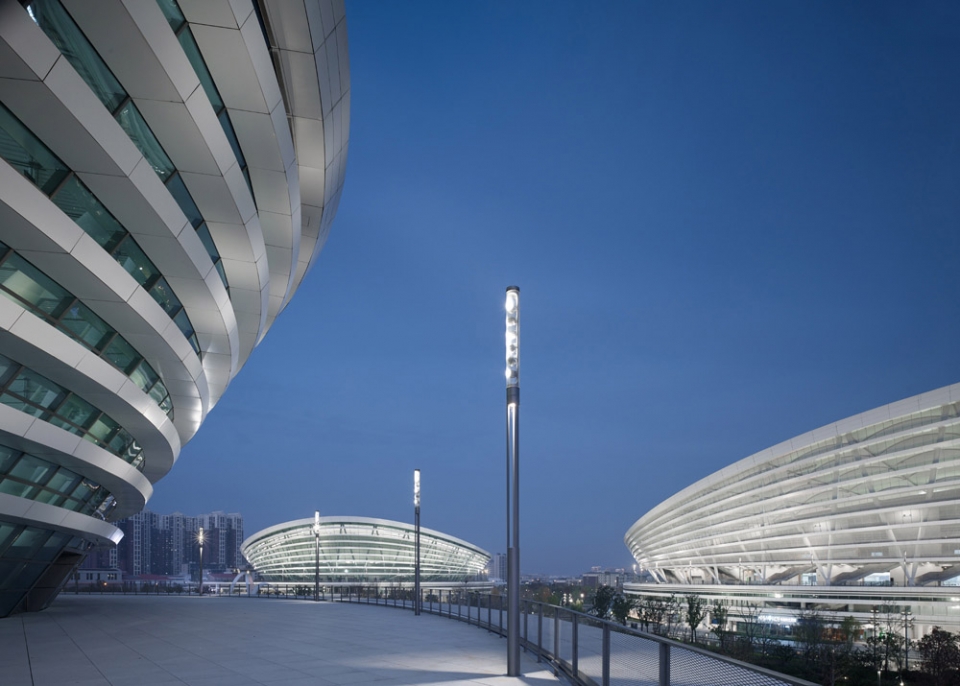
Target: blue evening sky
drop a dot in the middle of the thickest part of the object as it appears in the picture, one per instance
(731, 223)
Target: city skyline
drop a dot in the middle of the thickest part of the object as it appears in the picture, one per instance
(730, 225)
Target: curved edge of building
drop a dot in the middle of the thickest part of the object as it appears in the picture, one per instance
(360, 550)
(169, 170)
(854, 511)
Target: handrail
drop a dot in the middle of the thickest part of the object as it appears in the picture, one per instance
(672, 656)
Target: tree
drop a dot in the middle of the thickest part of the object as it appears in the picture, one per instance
(602, 600)
(719, 624)
(941, 655)
(621, 607)
(671, 614)
(696, 612)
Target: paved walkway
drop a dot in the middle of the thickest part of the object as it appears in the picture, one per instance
(167, 641)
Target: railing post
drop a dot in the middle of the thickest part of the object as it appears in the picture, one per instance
(574, 636)
(664, 664)
(526, 634)
(501, 614)
(539, 631)
(606, 655)
(556, 634)
(489, 612)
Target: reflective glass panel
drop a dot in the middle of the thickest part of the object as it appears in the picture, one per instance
(83, 324)
(180, 193)
(78, 203)
(32, 286)
(133, 123)
(122, 356)
(25, 153)
(192, 50)
(37, 389)
(77, 411)
(171, 10)
(131, 258)
(61, 29)
(164, 296)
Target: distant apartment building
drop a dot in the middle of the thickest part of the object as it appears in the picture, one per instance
(167, 544)
(498, 567)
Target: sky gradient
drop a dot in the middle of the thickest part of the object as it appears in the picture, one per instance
(731, 223)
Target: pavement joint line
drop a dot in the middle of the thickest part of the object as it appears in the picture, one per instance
(26, 645)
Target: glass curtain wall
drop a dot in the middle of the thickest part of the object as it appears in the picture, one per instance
(25, 552)
(33, 290)
(34, 478)
(27, 391)
(171, 10)
(60, 28)
(25, 153)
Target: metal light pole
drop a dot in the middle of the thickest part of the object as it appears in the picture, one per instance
(200, 540)
(416, 521)
(906, 639)
(316, 569)
(513, 479)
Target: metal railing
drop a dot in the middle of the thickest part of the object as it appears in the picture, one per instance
(588, 650)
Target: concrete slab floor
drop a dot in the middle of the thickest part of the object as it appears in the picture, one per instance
(167, 641)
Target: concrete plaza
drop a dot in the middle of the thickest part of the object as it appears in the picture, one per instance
(165, 641)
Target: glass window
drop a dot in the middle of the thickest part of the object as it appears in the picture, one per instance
(204, 233)
(33, 286)
(192, 50)
(28, 155)
(32, 469)
(78, 203)
(28, 542)
(227, 127)
(61, 29)
(18, 404)
(37, 389)
(122, 356)
(132, 258)
(166, 404)
(84, 325)
(121, 441)
(171, 10)
(7, 532)
(102, 429)
(27, 575)
(144, 377)
(77, 411)
(52, 547)
(133, 123)
(64, 481)
(159, 392)
(164, 296)
(8, 456)
(21, 490)
(180, 193)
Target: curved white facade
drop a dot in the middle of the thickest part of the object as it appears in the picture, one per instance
(360, 550)
(169, 170)
(869, 501)
(876, 492)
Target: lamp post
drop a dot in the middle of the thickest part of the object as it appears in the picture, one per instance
(512, 340)
(316, 569)
(416, 522)
(200, 541)
(906, 639)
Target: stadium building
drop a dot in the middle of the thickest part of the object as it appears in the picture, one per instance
(361, 551)
(861, 518)
(169, 171)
